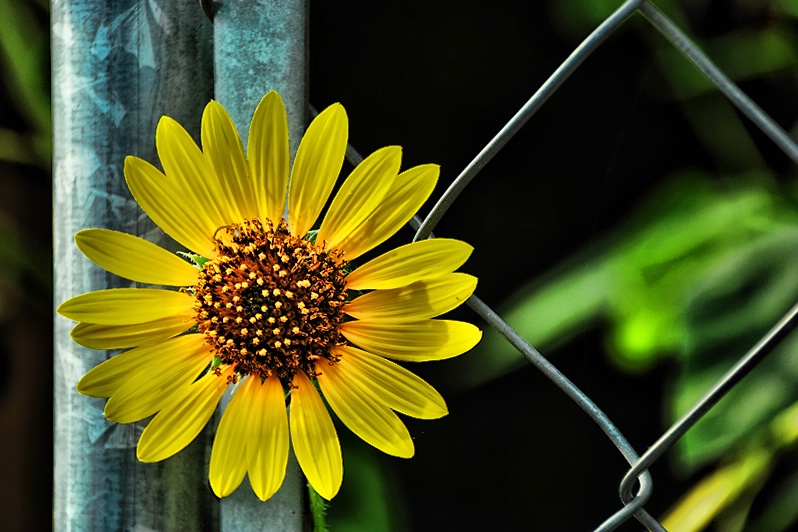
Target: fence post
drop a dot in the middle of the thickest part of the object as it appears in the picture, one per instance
(117, 67)
(262, 46)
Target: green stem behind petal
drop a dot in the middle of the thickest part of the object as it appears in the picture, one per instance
(318, 510)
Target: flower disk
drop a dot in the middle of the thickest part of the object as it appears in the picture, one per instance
(270, 302)
(264, 308)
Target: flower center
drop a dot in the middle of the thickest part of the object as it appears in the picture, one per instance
(270, 302)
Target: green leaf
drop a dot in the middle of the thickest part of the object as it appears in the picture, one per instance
(638, 281)
(742, 55)
(547, 313)
(198, 260)
(781, 512)
(370, 497)
(789, 7)
(717, 491)
(689, 229)
(24, 49)
(734, 306)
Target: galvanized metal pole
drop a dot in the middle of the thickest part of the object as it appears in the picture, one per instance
(262, 46)
(117, 67)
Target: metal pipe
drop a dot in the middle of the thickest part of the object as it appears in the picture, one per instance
(262, 46)
(117, 67)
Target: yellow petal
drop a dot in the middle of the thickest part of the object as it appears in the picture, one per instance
(408, 193)
(104, 379)
(410, 263)
(222, 146)
(126, 306)
(96, 336)
(174, 427)
(267, 150)
(228, 464)
(314, 439)
(267, 443)
(360, 195)
(166, 205)
(390, 383)
(413, 342)
(316, 168)
(371, 420)
(188, 169)
(134, 258)
(151, 388)
(414, 302)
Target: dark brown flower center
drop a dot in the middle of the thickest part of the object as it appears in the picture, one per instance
(270, 302)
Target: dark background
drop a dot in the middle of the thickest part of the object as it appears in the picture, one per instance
(441, 79)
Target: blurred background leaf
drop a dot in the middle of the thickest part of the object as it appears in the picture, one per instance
(694, 276)
(640, 279)
(661, 225)
(25, 57)
(25, 265)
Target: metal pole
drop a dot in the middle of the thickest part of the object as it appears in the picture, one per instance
(117, 67)
(262, 46)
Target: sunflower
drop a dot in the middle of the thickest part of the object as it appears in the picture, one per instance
(268, 307)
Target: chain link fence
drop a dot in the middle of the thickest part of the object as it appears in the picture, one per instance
(637, 485)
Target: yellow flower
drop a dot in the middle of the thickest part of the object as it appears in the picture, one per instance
(268, 309)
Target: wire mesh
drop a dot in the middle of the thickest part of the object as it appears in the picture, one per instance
(633, 504)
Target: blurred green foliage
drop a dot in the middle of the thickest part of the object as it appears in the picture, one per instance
(371, 498)
(692, 278)
(24, 60)
(24, 70)
(638, 281)
(25, 263)
(695, 277)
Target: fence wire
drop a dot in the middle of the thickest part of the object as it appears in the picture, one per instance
(633, 504)
(638, 472)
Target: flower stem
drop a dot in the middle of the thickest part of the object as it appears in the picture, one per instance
(318, 510)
